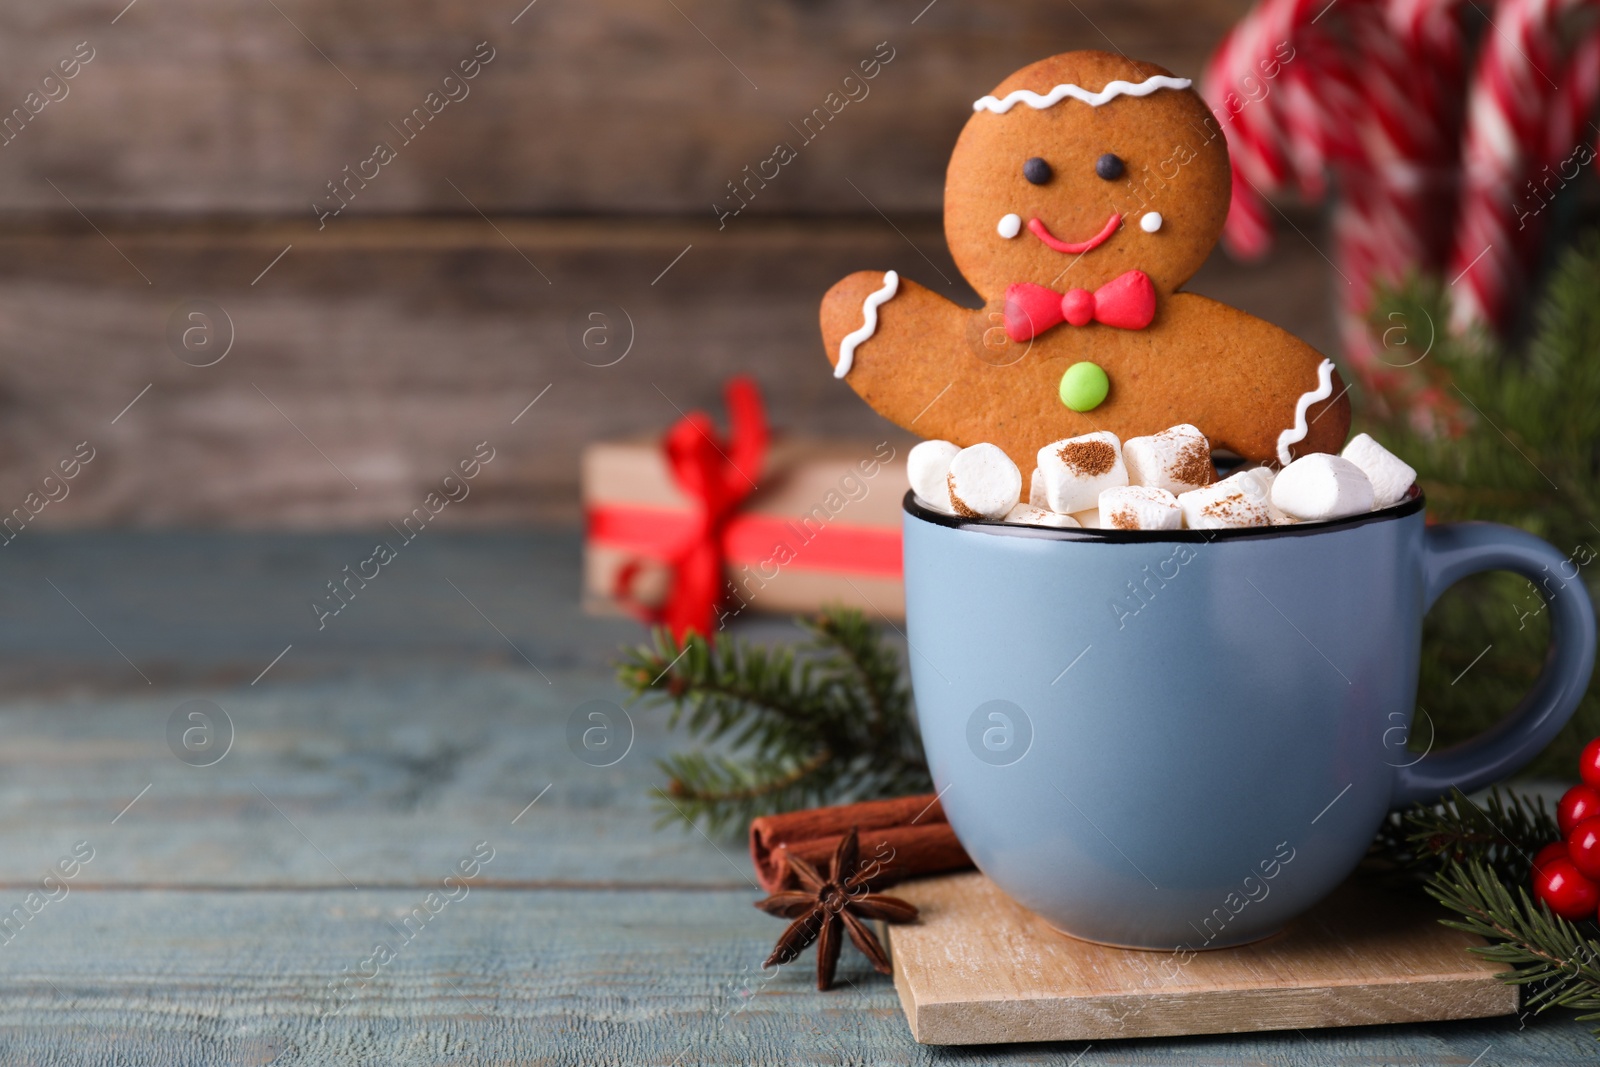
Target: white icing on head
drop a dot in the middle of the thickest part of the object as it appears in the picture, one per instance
(1077, 92)
(1297, 433)
(869, 313)
(1150, 222)
(1010, 226)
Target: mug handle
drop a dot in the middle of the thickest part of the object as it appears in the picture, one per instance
(1453, 551)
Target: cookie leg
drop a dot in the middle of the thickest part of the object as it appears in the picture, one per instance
(896, 343)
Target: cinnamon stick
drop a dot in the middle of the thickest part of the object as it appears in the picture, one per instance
(908, 835)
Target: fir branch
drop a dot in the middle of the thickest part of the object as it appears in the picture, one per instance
(1467, 857)
(875, 673)
(878, 675)
(738, 786)
(718, 688)
(1541, 948)
(721, 793)
(1503, 835)
(823, 722)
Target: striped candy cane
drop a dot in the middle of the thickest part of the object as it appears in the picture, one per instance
(1396, 187)
(1377, 93)
(1245, 84)
(1515, 108)
(1370, 97)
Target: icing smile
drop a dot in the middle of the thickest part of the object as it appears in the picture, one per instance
(1074, 248)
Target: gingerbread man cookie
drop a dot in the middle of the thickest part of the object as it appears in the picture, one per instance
(1080, 196)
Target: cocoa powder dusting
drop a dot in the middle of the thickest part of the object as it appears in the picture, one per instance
(1123, 520)
(1194, 465)
(1234, 508)
(1088, 458)
(958, 505)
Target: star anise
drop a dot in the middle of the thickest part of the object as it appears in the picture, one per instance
(823, 906)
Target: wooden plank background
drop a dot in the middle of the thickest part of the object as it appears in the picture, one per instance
(581, 166)
(365, 366)
(222, 901)
(610, 107)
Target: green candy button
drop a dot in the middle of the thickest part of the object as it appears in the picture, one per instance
(1084, 386)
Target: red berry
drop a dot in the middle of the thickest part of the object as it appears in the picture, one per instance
(1555, 850)
(1589, 763)
(1568, 893)
(1583, 848)
(1577, 804)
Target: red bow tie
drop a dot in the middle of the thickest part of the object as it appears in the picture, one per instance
(1127, 302)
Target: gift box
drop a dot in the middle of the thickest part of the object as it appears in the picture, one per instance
(679, 532)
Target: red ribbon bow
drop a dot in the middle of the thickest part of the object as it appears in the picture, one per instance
(1127, 302)
(717, 474)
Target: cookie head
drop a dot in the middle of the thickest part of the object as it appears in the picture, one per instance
(1081, 167)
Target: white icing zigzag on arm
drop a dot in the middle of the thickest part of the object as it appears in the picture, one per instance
(869, 312)
(1298, 433)
(1078, 92)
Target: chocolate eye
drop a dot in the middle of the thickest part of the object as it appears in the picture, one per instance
(1036, 171)
(1109, 167)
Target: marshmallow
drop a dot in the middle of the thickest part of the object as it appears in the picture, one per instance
(927, 466)
(1176, 459)
(1032, 515)
(1391, 477)
(1322, 486)
(1089, 520)
(1036, 495)
(1139, 507)
(983, 482)
(1238, 500)
(1256, 482)
(1076, 469)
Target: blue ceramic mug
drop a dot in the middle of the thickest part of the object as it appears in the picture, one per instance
(1182, 740)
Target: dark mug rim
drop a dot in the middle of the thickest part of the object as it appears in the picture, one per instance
(1411, 505)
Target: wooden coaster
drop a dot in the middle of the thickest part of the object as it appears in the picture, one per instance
(979, 968)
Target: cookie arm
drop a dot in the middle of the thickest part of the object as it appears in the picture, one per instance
(1254, 384)
(891, 336)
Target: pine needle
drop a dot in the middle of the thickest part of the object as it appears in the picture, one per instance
(1469, 858)
(824, 722)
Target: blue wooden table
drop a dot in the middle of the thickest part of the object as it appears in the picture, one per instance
(299, 900)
